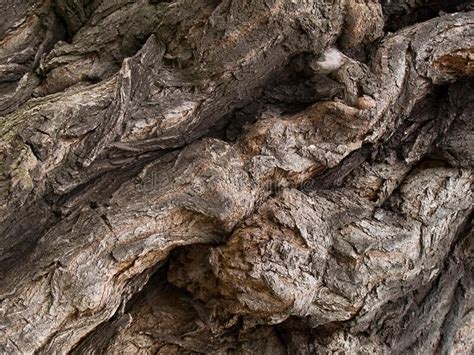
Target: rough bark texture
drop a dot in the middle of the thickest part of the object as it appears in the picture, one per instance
(230, 176)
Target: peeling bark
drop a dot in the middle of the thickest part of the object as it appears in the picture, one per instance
(235, 177)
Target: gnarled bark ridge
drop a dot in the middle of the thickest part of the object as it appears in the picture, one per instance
(229, 176)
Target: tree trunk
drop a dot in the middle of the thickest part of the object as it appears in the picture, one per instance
(229, 176)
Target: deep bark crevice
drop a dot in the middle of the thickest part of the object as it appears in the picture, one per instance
(263, 177)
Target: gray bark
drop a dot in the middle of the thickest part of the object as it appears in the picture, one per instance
(236, 177)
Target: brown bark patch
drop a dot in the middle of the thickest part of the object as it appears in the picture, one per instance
(460, 62)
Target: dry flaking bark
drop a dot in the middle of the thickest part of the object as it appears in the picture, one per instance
(277, 176)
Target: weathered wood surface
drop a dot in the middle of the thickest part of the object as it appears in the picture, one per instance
(231, 176)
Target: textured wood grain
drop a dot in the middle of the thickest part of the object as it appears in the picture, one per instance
(236, 177)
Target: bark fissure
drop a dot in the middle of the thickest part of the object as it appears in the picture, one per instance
(233, 177)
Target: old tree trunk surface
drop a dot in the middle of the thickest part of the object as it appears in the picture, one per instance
(230, 176)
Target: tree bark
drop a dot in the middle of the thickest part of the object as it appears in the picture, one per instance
(229, 176)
